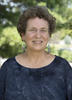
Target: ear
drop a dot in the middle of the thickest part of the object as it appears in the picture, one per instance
(22, 36)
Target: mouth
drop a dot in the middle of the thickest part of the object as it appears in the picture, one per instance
(37, 42)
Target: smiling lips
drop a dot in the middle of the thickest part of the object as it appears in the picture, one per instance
(37, 42)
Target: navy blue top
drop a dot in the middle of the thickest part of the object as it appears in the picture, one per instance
(51, 82)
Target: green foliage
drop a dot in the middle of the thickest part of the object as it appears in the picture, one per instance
(66, 54)
(49, 3)
(67, 13)
(41, 4)
(60, 3)
(65, 32)
(26, 2)
(63, 24)
(53, 50)
(68, 24)
(1, 28)
(10, 42)
(59, 19)
(62, 53)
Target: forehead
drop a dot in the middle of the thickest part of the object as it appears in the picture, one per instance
(37, 22)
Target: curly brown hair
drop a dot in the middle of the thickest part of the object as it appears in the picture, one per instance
(36, 11)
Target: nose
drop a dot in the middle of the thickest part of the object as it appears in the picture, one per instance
(38, 34)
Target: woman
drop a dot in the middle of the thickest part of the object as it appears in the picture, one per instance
(36, 74)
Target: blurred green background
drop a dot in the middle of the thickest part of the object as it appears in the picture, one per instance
(61, 41)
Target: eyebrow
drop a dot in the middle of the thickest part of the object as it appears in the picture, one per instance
(44, 28)
(36, 28)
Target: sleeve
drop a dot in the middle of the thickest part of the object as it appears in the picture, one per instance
(69, 83)
(3, 71)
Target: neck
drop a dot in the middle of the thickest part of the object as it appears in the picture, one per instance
(35, 56)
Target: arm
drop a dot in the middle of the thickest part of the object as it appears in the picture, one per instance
(69, 83)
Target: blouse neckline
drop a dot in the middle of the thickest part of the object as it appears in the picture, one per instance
(39, 68)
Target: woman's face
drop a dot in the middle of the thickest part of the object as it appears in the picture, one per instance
(37, 34)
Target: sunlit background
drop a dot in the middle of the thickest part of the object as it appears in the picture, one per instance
(10, 41)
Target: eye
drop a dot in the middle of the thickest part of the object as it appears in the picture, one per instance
(44, 30)
(32, 30)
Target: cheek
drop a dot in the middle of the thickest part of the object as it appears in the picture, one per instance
(46, 37)
(28, 39)
(30, 36)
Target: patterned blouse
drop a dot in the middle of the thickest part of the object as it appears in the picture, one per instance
(50, 82)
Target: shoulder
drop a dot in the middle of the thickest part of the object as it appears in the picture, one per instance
(62, 62)
(8, 63)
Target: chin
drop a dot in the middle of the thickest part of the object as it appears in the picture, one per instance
(38, 49)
